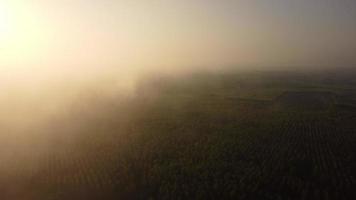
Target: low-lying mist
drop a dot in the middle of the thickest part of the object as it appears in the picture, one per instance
(43, 113)
(47, 111)
(31, 96)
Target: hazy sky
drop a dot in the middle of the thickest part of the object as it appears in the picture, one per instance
(155, 34)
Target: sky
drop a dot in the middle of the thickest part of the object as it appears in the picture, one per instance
(141, 35)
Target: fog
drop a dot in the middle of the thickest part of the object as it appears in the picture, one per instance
(64, 64)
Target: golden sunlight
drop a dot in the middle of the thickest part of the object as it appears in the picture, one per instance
(23, 36)
(5, 22)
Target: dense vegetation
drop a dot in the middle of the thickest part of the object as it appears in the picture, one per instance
(226, 136)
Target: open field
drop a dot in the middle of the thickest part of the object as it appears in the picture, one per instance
(225, 136)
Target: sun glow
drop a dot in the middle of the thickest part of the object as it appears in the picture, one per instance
(5, 22)
(23, 36)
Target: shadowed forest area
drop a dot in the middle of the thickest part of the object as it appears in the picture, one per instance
(251, 135)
